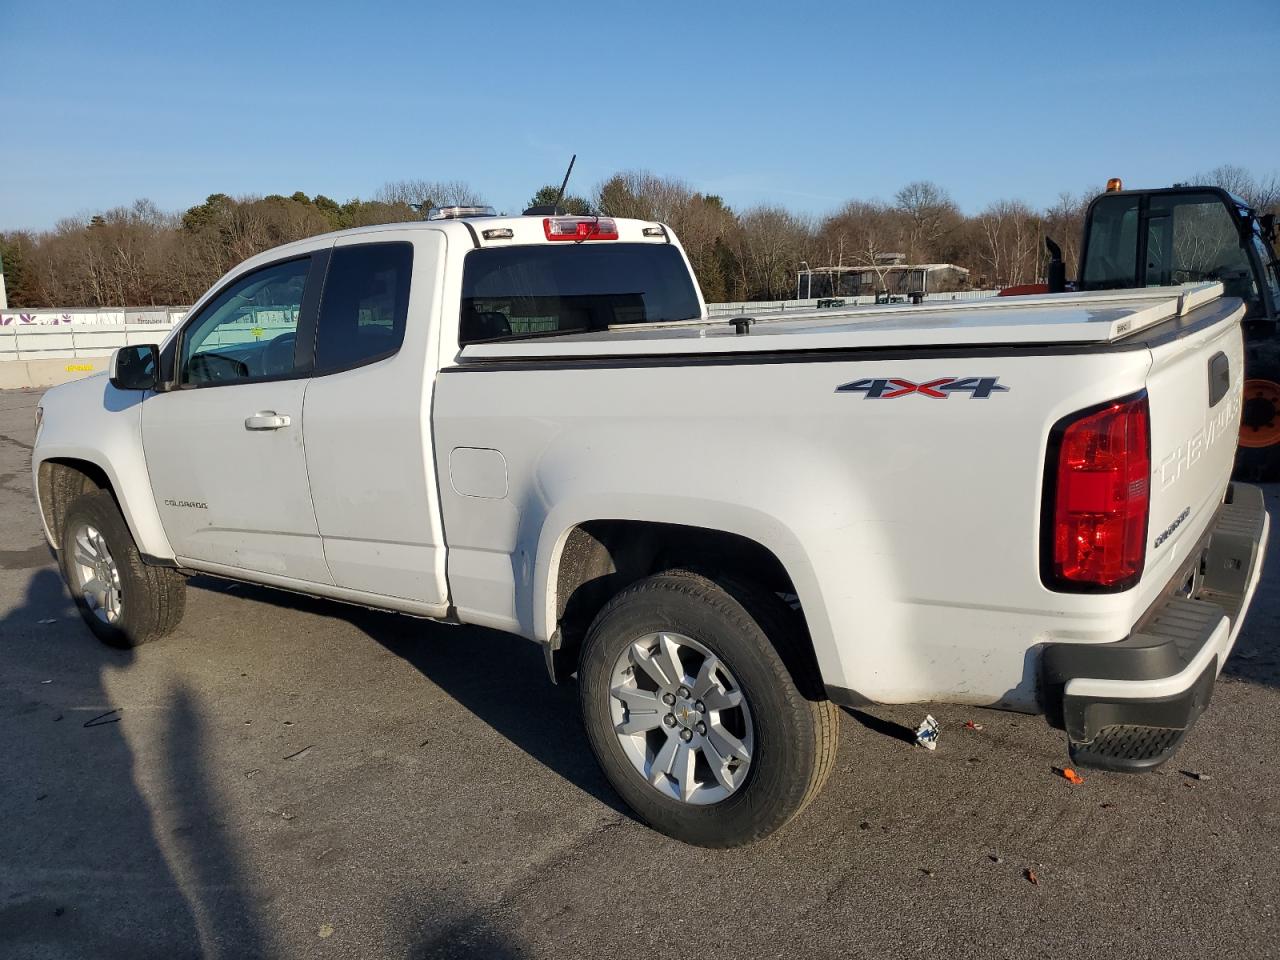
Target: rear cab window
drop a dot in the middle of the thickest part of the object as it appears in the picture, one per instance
(535, 290)
(365, 305)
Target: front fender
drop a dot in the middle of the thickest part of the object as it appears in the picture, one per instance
(91, 421)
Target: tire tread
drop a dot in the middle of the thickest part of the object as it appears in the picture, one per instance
(748, 608)
(163, 591)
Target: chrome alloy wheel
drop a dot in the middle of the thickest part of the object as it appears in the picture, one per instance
(681, 718)
(96, 575)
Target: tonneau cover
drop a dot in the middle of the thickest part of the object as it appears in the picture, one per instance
(1067, 318)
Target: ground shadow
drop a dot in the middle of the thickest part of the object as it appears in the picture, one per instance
(879, 725)
(217, 888)
(499, 677)
(1256, 657)
(465, 936)
(85, 872)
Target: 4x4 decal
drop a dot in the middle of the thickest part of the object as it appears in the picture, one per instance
(891, 388)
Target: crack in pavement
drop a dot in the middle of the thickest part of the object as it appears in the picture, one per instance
(501, 905)
(21, 444)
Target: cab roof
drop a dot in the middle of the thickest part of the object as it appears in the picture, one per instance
(476, 232)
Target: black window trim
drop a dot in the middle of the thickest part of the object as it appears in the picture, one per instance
(512, 338)
(304, 336)
(1232, 204)
(315, 325)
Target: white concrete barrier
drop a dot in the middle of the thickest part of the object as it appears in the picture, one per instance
(27, 374)
(32, 342)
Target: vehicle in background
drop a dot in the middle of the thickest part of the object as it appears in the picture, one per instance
(1191, 234)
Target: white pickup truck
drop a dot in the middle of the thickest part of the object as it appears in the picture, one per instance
(726, 529)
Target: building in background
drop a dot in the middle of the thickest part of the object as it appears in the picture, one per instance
(890, 274)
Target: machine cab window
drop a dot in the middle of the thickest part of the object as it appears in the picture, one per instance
(1192, 238)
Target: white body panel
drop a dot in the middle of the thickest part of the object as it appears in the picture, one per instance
(230, 495)
(910, 527)
(368, 444)
(89, 420)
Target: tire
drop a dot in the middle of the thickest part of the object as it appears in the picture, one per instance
(1258, 456)
(148, 601)
(753, 636)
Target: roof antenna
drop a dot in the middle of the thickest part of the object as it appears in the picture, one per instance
(564, 183)
(553, 209)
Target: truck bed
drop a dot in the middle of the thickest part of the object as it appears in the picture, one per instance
(1066, 318)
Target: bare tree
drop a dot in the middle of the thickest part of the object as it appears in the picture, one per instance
(867, 234)
(429, 193)
(140, 254)
(931, 213)
(1260, 192)
(642, 195)
(768, 244)
(1011, 233)
(1064, 223)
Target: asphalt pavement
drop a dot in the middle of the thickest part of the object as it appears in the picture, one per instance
(287, 777)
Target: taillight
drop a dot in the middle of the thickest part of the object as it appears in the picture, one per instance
(580, 228)
(1097, 497)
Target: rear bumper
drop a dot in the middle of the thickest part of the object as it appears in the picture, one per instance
(1127, 705)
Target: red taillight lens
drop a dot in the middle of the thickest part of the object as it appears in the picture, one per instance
(1099, 493)
(580, 228)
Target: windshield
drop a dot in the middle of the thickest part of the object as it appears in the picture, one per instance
(541, 290)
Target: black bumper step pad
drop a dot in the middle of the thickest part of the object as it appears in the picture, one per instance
(1123, 746)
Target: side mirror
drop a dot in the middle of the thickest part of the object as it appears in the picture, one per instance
(136, 367)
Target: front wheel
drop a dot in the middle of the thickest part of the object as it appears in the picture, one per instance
(124, 601)
(693, 713)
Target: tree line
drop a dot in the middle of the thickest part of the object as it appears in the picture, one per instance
(140, 255)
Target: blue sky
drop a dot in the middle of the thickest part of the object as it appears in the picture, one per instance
(798, 103)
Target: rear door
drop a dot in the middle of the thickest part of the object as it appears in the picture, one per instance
(368, 417)
(224, 447)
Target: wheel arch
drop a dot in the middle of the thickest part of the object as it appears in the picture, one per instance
(61, 477)
(586, 559)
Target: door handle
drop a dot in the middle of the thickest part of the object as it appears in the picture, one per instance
(266, 420)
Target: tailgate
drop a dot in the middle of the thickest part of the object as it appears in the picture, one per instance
(1194, 390)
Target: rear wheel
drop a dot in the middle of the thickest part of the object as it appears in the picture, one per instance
(124, 601)
(693, 713)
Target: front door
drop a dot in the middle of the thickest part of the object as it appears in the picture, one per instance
(224, 447)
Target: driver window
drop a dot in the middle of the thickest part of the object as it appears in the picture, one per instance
(247, 332)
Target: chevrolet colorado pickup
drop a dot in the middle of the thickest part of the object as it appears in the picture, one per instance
(726, 529)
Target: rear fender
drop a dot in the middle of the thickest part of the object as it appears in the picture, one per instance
(742, 521)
